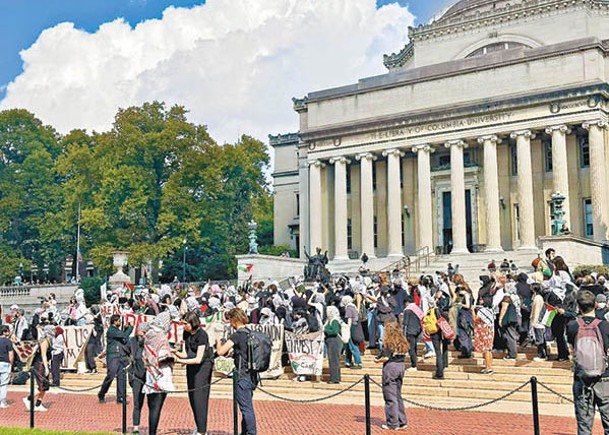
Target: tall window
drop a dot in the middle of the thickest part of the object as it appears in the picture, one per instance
(584, 151)
(373, 176)
(376, 233)
(403, 228)
(348, 180)
(514, 159)
(517, 221)
(349, 234)
(547, 154)
(588, 227)
(298, 204)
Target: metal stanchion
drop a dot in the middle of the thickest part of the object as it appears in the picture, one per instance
(536, 429)
(235, 407)
(124, 404)
(31, 398)
(367, 403)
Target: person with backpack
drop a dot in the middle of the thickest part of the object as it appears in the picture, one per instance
(334, 343)
(246, 379)
(590, 340)
(443, 303)
(116, 360)
(40, 365)
(353, 357)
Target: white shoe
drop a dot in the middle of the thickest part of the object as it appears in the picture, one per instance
(539, 359)
(411, 369)
(4, 405)
(26, 402)
(40, 408)
(429, 355)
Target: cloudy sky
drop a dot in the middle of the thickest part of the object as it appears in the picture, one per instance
(235, 64)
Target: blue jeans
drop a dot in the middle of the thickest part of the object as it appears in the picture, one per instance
(353, 352)
(380, 327)
(371, 328)
(245, 394)
(5, 373)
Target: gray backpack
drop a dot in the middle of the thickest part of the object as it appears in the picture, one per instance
(590, 355)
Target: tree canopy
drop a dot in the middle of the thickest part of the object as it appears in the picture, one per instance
(155, 185)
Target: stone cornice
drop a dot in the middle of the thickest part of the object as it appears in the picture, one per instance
(464, 22)
(283, 139)
(394, 61)
(599, 90)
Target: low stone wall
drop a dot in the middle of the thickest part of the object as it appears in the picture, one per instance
(576, 250)
(268, 267)
(28, 297)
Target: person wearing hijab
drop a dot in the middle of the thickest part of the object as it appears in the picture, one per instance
(333, 342)
(353, 357)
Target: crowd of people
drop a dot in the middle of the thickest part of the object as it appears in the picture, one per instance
(386, 311)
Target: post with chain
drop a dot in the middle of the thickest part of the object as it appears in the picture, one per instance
(536, 430)
(367, 403)
(235, 410)
(31, 398)
(124, 403)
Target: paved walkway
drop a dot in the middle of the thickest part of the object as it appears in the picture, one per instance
(84, 413)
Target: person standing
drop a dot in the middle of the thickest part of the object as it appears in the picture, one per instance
(590, 390)
(7, 359)
(57, 353)
(137, 373)
(352, 354)
(411, 322)
(246, 380)
(116, 360)
(94, 344)
(333, 342)
(40, 366)
(198, 358)
(394, 350)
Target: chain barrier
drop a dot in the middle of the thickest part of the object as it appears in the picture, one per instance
(319, 399)
(182, 391)
(551, 390)
(459, 408)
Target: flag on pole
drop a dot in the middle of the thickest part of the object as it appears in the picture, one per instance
(103, 289)
(245, 268)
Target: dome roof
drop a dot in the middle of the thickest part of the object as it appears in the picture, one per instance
(470, 7)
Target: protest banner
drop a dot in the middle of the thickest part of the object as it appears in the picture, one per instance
(275, 332)
(76, 339)
(306, 352)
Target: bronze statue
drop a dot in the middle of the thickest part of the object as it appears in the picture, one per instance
(316, 269)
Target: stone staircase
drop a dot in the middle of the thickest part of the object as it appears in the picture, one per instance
(463, 384)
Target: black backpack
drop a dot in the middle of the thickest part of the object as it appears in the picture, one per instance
(259, 351)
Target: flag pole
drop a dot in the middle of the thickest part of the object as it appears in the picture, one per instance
(78, 246)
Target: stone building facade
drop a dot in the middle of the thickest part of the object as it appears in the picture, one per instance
(487, 112)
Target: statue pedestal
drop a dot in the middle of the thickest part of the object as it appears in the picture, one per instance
(119, 278)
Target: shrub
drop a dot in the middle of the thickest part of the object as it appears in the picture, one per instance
(277, 250)
(587, 269)
(91, 285)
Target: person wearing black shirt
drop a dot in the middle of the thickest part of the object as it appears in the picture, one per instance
(394, 349)
(199, 366)
(246, 380)
(116, 360)
(7, 358)
(589, 393)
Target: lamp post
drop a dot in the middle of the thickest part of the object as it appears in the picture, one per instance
(184, 261)
(252, 225)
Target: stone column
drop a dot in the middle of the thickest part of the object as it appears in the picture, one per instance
(315, 212)
(457, 195)
(491, 193)
(525, 188)
(423, 211)
(394, 203)
(598, 179)
(367, 203)
(340, 207)
(560, 169)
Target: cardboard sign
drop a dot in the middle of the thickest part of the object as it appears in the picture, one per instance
(306, 352)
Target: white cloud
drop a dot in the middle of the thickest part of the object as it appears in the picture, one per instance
(234, 64)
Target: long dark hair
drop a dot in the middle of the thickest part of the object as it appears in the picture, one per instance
(559, 264)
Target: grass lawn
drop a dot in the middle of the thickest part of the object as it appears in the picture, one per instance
(21, 431)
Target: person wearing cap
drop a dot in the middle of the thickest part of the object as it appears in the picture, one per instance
(7, 359)
(116, 360)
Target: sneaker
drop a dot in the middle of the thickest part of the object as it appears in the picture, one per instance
(403, 427)
(356, 367)
(438, 377)
(101, 399)
(40, 408)
(92, 372)
(487, 371)
(508, 358)
(429, 355)
(384, 426)
(4, 405)
(26, 402)
(539, 359)
(483, 371)
(411, 369)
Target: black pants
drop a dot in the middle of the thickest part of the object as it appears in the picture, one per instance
(155, 404)
(335, 345)
(91, 352)
(412, 341)
(441, 347)
(558, 330)
(138, 399)
(198, 378)
(55, 368)
(116, 369)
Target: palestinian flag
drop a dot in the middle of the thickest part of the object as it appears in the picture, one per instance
(245, 268)
(248, 283)
(547, 317)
